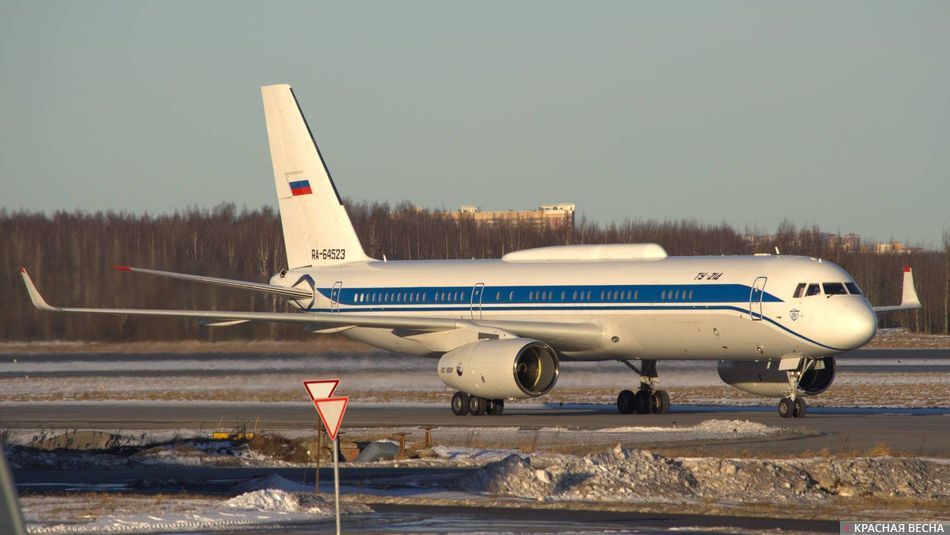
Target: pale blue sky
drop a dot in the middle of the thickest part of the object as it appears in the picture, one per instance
(832, 113)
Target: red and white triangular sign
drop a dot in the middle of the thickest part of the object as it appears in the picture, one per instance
(321, 389)
(331, 413)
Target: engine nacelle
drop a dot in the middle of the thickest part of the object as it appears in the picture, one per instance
(498, 369)
(763, 378)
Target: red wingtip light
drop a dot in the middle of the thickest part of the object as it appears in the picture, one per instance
(22, 269)
(906, 269)
(122, 268)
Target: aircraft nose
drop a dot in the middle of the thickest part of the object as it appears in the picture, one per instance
(856, 325)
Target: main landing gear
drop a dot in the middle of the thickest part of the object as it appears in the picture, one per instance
(463, 404)
(647, 400)
(793, 406)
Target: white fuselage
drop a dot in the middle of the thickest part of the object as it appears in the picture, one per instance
(706, 307)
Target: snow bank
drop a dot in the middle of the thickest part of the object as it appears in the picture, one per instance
(622, 475)
(704, 430)
(276, 500)
(262, 508)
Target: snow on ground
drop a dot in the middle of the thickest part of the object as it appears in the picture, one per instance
(618, 476)
(622, 475)
(260, 508)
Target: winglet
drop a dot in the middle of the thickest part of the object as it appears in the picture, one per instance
(909, 299)
(35, 296)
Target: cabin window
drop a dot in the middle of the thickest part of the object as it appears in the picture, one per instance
(663, 295)
(853, 288)
(677, 295)
(800, 290)
(636, 295)
(424, 296)
(498, 295)
(530, 296)
(813, 289)
(563, 295)
(690, 295)
(834, 288)
(511, 295)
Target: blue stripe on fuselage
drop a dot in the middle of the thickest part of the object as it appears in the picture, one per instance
(491, 295)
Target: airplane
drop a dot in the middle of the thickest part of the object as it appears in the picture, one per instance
(500, 328)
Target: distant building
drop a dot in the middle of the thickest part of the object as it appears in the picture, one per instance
(850, 243)
(553, 216)
(895, 247)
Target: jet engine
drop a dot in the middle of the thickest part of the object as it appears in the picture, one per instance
(498, 369)
(763, 377)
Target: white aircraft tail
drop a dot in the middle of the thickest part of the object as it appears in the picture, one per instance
(317, 229)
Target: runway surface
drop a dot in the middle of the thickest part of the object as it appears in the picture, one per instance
(918, 431)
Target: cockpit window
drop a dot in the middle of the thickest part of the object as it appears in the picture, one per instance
(834, 288)
(800, 290)
(853, 288)
(813, 289)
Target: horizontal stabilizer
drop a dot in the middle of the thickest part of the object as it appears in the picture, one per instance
(909, 299)
(283, 291)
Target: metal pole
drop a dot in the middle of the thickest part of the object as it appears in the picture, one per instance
(336, 480)
(319, 451)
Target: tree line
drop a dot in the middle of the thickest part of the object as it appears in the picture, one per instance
(70, 255)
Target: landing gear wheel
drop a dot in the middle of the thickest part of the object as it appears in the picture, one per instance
(476, 405)
(644, 402)
(495, 407)
(626, 402)
(661, 402)
(799, 408)
(786, 408)
(460, 403)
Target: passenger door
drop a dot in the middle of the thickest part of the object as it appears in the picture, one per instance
(477, 292)
(335, 297)
(755, 298)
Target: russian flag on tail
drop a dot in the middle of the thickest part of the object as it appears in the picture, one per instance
(300, 187)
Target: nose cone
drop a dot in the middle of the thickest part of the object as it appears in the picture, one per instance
(855, 324)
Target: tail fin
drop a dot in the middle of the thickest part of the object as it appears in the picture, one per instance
(317, 230)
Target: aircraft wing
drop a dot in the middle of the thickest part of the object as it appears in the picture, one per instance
(573, 335)
(283, 291)
(909, 299)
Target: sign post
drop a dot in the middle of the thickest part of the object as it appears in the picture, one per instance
(331, 411)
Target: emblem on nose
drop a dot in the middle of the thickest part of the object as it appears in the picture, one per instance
(793, 313)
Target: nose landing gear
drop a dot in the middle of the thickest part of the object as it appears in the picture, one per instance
(793, 406)
(646, 400)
